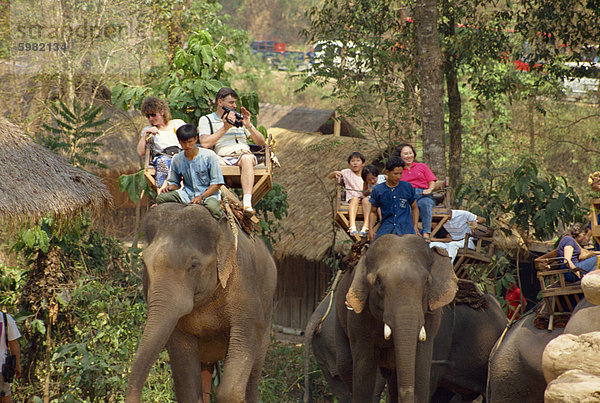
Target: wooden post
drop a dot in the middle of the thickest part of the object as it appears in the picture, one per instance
(337, 125)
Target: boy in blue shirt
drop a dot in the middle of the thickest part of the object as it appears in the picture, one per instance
(398, 203)
(200, 171)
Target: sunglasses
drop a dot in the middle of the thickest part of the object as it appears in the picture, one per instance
(150, 115)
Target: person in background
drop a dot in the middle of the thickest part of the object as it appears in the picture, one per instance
(200, 172)
(162, 131)
(457, 227)
(423, 180)
(371, 177)
(353, 183)
(574, 256)
(8, 333)
(230, 142)
(397, 201)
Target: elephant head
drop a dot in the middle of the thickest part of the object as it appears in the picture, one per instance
(189, 257)
(402, 283)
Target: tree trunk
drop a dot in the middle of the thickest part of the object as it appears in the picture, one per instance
(429, 60)
(454, 101)
(454, 119)
(531, 123)
(174, 30)
(5, 33)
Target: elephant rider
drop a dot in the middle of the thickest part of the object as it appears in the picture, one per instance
(397, 201)
(200, 171)
(458, 226)
(227, 134)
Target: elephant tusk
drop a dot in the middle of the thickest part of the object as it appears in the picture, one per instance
(387, 331)
(422, 334)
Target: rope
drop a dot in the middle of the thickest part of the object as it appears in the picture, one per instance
(338, 275)
(232, 221)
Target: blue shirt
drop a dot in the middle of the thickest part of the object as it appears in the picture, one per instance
(395, 204)
(197, 174)
(568, 241)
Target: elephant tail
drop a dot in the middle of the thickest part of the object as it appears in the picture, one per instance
(311, 328)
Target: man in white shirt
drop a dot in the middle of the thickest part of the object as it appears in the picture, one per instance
(219, 130)
(8, 333)
(458, 226)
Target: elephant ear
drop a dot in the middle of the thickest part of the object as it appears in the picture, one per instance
(359, 289)
(443, 280)
(226, 253)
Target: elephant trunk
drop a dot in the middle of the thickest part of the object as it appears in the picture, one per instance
(405, 333)
(164, 311)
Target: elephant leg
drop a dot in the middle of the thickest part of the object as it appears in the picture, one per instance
(185, 364)
(343, 355)
(238, 365)
(392, 382)
(364, 370)
(252, 388)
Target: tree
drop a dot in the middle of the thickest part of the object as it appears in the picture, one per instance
(429, 61)
(364, 51)
(75, 133)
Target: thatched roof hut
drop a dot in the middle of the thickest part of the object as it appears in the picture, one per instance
(308, 232)
(300, 119)
(35, 181)
(306, 159)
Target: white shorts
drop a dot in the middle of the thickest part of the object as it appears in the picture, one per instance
(234, 159)
(5, 388)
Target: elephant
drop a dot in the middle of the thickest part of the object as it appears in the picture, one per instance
(210, 297)
(515, 370)
(389, 311)
(584, 319)
(321, 336)
(518, 359)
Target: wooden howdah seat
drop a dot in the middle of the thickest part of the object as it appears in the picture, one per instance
(263, 178)
(441, 212)
(594, 212)
(342, 208)
(470, 264)
(560, 296)
(443, 202)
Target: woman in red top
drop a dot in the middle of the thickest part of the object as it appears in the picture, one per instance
(423, 180)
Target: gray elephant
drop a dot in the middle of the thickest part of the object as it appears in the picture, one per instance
(515, 372)
(210, 296)
(396, 292)
(320, 334)
(584, 319)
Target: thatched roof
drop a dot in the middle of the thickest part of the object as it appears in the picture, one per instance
(306, 159)
(35, 181)
(302, 119)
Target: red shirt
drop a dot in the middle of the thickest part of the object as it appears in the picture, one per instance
(419, 175)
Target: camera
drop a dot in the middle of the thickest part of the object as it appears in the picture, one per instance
(9, 368)
(239, 119)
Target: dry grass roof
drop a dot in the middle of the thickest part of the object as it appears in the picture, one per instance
(35, 181)
(300, 119)
(306, 159)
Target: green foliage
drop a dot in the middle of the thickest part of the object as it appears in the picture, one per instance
(536, 205)
(75, 133)
(270, 211)
(197, 73)
(367, 56)
(96, 291)
(282, 379)
(135, 185)
(559, 31)
(124, 95)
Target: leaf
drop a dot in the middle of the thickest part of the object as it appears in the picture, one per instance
(131, 185)
(38, 326)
